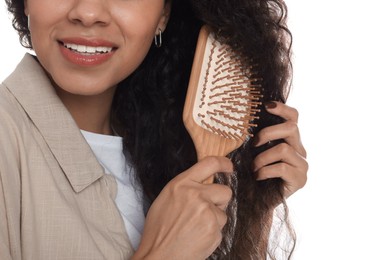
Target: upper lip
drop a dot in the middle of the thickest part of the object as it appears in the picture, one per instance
(89, 42)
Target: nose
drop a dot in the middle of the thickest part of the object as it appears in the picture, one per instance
(90, 12)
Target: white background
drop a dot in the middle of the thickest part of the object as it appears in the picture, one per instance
(341, 86)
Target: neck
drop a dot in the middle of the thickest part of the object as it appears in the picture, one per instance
(91, 113)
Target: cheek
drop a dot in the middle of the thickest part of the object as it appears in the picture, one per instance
(132, 58)
(141, 21)
(39, 14)
(42, 24)
(138, 37)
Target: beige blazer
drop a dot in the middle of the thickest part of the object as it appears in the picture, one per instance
(56, 202)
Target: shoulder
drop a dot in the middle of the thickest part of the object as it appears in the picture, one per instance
(9, 168)
(12, 122)
(11, 113)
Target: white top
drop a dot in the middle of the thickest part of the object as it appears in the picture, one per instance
(129, 199)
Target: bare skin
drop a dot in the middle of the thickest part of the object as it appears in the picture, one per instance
(91, 113)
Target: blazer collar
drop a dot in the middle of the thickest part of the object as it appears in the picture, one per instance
(35, 93)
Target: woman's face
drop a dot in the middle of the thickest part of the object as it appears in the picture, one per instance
(88, 46)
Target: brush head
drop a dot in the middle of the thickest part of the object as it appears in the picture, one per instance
(222, 97)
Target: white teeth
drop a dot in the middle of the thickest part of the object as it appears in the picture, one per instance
(87, 49)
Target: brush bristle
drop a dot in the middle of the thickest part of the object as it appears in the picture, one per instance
(227, 97)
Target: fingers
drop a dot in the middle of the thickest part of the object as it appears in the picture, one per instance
(186, 213)
(282, 110)
(195, 211)
(220, 216)
(294, 178)
(207, 167)
(288, 130)
(191, 181)
(285, 160)
(282, 161)
(219, 195)
(279, 153)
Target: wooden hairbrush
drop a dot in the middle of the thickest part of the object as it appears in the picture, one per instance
(222, 98)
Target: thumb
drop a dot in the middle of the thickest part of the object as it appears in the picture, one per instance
(207, 167)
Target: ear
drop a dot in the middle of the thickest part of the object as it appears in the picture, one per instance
(162, 24)
(26, 11)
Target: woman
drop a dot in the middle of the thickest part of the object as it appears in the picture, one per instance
(113, 72)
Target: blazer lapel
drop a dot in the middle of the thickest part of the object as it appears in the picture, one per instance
(41, 103)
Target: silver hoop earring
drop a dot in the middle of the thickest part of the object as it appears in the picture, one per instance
(158, 39)
(28, 22)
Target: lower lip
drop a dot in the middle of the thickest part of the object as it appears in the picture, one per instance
(86, 60)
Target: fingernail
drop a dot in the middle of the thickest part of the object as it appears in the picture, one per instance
(270, 104)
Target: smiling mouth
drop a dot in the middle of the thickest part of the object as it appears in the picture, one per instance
(87, 50)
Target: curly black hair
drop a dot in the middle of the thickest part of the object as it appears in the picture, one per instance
(148, 106)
